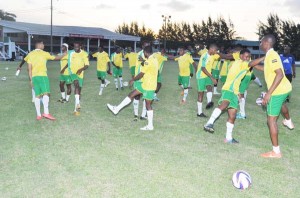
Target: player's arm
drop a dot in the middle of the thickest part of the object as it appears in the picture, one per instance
(59, 57)
(29, 68)
(82, 69)
(63, 69)
(137, 77)
(256, 63)
(109, 70)
(21, 64)
(226, 56)
(294, 67)
(209, 75)
(195, 66)
(279, 76)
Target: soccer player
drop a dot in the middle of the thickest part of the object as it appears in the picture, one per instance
(279, 88)
(116, 60)
(230, 92)
(215, 71)
(78, 62)
(288, 61)
(65, 77)
(148, 86)
(103, 67)
(132, 57)
(37, 71)
(161, 58)
(205, 80)
(184, 61)
(202, 50)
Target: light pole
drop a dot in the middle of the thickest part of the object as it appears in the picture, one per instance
(166, 20)
(51, 37)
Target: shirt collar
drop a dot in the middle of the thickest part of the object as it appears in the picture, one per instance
(271, 49)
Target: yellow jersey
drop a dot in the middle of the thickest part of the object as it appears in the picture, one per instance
(132, 57)
(203, 51)
(206, 61)
(272, 63)
(78, 61)
(161, 61)
(216, 64)
(184, 62)
(102, 60)
(150, 70)
(38, 59)
(235, 75)
(117, 59)
(63, 63)
(225, 68)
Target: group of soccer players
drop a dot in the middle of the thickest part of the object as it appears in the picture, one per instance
(235, 70)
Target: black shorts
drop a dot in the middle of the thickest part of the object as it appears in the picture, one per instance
(289, 77)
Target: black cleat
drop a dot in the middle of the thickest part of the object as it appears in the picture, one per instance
(232, 141)
(135, 118)
(143, 118)
(117, 89)
(202, 115)
(209, 105)
(209, 128)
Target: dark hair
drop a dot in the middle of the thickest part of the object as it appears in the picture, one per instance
(148, 49)
(243, 51)
(271, 38)
(213, 46)
(39, 41)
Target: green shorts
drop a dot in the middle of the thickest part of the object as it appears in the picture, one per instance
(192, 70)
(203, 83)
(117, 72)
(215, 73)
(184, 81)
(253, 76)
(275, 104)
(65, 78)
(159, 78)
(101, 75)
(223, 79)
(148, 95)
(244, 84)
(132, 70)
(76, 77)
(138, 86)
(231, 97)
(41, 85)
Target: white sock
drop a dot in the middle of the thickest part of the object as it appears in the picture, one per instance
(257, 81)
(144, 109)
(46, 104)
(63, 95)
(37, 104)
(242, 106)
(124, 103)
(150, 118)
(77, 100)
(245, 95)
(136, 107)
(289, 122)
(116, 83)
(185, 94)
(182, 86)
(215, 89)
(102, 87)
(155, 95)
(107, 81)
(67, 97)
(229, 130)
(276, 149)
(199, 104)
(33, 94)
(121, 81)
(209, 96)
(216, 113)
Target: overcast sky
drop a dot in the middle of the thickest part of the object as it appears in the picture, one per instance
(108, 14)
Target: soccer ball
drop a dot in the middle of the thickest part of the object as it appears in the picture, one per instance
(3, 78)
(241, 180)
(125, 84)
(259, 101)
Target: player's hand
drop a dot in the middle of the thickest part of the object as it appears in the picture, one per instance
(79, 71)
(109, 72)
(18, 68)
(62, 71)
(131, 82)
(266, 99)
(214, 81)
(294, 75)
(191, 75)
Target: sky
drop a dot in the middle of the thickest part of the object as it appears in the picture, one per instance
(245, 14)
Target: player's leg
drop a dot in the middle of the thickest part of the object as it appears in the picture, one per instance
(180, 84)
(185, 83)
(201, 88)
(115, 75)
(256, 80)
(148, 96)
(209, 94)
(157, 90)
(242, 104)
(69, 91)
(120, 73)
(37, 100)
(136, 102)
(287, 121)
(230, 125)
(77, 96)
(45, 92)
(216, 74)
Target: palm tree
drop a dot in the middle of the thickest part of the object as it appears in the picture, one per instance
(7, 16)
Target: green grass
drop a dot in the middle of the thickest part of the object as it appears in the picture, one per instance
(101, 155)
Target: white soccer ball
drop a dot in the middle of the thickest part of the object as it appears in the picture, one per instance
(3, 78)
(125, 84)
(259, 101)
(6, 68)
(241, 180)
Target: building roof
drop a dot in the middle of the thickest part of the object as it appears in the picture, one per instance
(247, 43)
(66, 31)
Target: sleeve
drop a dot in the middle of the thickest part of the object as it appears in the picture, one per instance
(107, 59)
(86, 61)
(176, 59)
(49, 56)
(293, 57)
(165, 58)
(26, 58)
(202, 62)
(275, 62)
(126, 55)
(236, 56)
(95, 55)
(191, 60)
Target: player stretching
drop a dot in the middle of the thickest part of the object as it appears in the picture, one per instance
(78, 62)
(161, 59)
(65, 77)
(149, 82)
(103, 62)
(230, 92)
(131, 56)
(205, 80)
(184, 61)
(279, 89)
(116, 60)
(37, 70)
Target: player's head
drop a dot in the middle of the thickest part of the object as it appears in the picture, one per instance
(181, 51)
(267, 42)
(129, 49)
(77, 47)
(245, 54)
(213, 49)
(148, 51)
(145, 44)
(238, 48)
(286, 49)
(100, 49)
(118, 50)
(64, 47)
(39, 44)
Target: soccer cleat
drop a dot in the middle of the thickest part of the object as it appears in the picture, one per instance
(182, 102)
(288, 124)
(64, 101)
(76, 113)
(147, 128)
(136, 118)
(39, 117)
(209, 105)
(48, 116)
(60, 100)
(117, 89)
(156, 99)
(106, 83)
(100, 93)
(78, 107)
(209, 128)
(143, 118)
(113, 109)
(271, 154)
(240, 116)
(232, 141)
(202, 115)
(217, 93)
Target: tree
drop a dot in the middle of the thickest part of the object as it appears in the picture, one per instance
(7, 16)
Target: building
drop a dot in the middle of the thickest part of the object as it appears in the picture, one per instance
(253, 46)
(23, 34)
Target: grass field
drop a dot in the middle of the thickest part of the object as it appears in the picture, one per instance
(101, 155)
